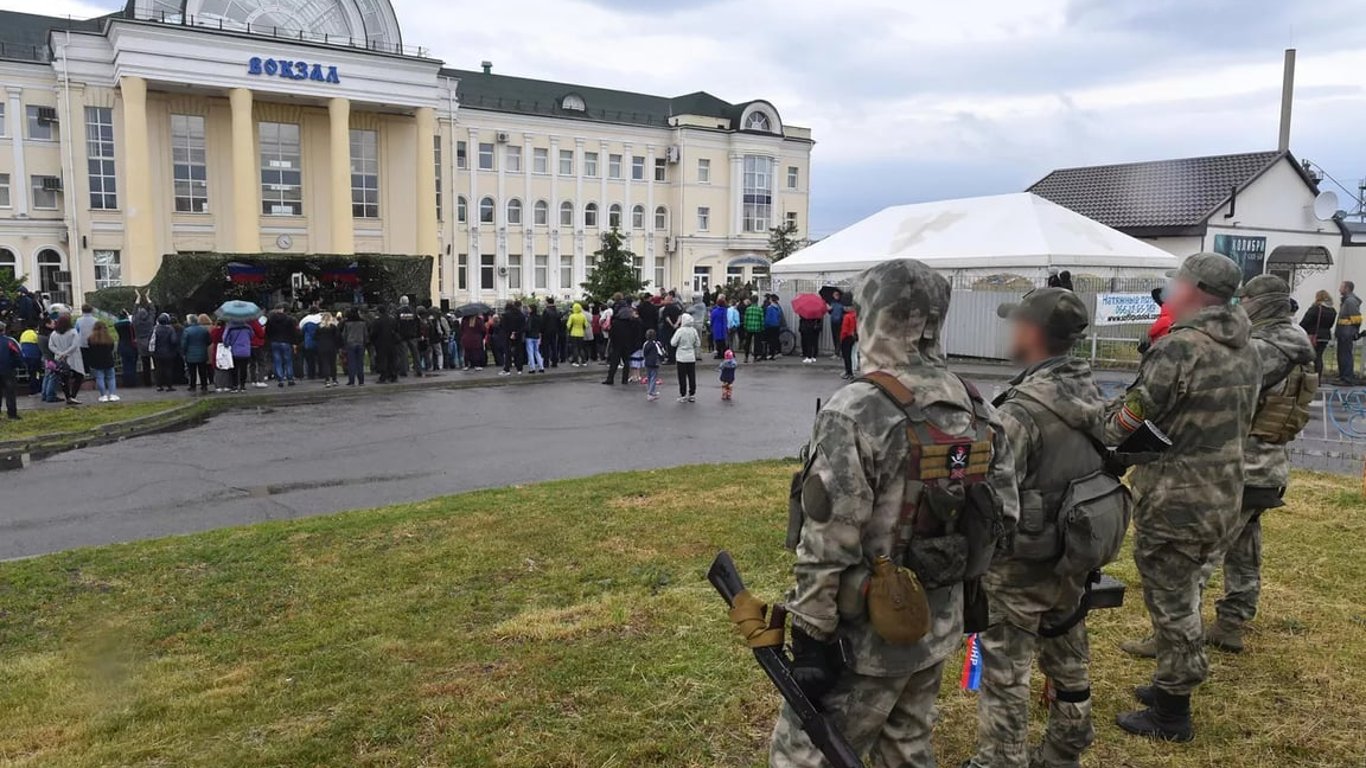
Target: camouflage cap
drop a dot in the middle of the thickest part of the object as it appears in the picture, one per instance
(1213, 273)
(1057, 311)
(1263, 285)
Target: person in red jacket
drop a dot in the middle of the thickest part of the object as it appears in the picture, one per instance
(1162, 324)
(848, 338)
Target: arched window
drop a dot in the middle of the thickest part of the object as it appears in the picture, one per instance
(661, 218)
(638, 217)
(573, 102)
(541, 213)
(566, 214)
(461, 210)
(614, 215)
(515, 212)
(486, 211)
(758, 121)
(9, 264)
(52, 277)
(590, 215)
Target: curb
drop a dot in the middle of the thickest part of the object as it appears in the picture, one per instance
(17, 454)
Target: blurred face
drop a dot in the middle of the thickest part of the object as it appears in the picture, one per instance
(1027, 343)
(1184, 299)
(1343, 290)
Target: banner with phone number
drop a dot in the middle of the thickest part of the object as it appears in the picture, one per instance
(1125, 308)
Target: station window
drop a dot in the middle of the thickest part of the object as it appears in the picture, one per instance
(189, 168)
(365, 174)
(281, 169)
(99, 148)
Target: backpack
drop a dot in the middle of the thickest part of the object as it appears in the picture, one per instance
(1283, 410)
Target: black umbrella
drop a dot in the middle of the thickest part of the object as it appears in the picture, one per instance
(828, 293)
(475, 308)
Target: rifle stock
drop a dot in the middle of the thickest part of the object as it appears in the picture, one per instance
(725, 577)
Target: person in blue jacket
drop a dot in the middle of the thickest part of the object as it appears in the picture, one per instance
(720, 327)
(773, 325)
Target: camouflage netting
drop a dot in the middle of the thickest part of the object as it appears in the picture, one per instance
(199, 282)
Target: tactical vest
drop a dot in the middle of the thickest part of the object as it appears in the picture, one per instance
(1068, 454)
(950, 519)
(1283, 409)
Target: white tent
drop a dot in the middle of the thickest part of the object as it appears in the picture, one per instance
(1018, 233)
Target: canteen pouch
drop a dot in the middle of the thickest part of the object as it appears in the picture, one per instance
(1036, 535)
(938, 561)
(1094, 517)
(897, 607)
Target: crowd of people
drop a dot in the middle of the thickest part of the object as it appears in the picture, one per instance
(59, 350)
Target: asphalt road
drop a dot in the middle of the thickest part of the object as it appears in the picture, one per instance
(246, 466)
(254, 465)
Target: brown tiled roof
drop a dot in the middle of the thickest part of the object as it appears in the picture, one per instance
(1152, 197)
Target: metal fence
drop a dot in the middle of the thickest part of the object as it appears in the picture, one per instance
(974, 330)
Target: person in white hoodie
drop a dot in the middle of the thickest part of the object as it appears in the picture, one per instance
(686, 345)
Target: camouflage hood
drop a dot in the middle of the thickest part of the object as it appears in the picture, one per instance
(1226, 324)
(1272, 323)
(901, 309)
(1065, 386)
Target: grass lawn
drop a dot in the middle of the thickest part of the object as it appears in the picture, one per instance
(567, 624)
(55, 419)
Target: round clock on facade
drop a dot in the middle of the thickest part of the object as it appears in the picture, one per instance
(283, 242)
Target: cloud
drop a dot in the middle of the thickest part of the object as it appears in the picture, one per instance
(915, 101)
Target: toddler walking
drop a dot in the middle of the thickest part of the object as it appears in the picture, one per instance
(727, 369)
(650, 355)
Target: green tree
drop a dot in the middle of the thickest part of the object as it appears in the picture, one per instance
(614, 270)
(783, 241)
(10, 283)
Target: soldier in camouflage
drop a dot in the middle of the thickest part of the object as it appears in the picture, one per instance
(1199, 385)
(879, 695)
(1053, 416)
(1281, 347)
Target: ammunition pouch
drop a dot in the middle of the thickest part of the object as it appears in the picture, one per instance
(897, 608)
(1093, 520)
(938, 561)
(1284, 410)
(1036, 535)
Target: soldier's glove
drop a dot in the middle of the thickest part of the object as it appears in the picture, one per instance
(815, 665)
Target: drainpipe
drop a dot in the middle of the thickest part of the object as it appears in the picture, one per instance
(73, 246)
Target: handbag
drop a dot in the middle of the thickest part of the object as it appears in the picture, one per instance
(223, 357)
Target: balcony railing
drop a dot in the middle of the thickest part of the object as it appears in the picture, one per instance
(282, 33)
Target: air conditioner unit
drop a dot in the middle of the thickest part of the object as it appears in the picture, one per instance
(674, 154)
(671, 244)
(47, 114)
(52, 184)
(503, 137)
(502, 271)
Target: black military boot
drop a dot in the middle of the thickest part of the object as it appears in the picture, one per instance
(1168, 719)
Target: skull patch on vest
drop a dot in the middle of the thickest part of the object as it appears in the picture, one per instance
(958, 461)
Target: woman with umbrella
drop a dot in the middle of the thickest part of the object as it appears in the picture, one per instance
(810, 309)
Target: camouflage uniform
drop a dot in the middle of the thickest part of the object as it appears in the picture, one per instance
(1281, 345)
(852, 497)
(1198, 384)
(1051, 413)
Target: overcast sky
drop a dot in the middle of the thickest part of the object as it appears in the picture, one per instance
(914, 101)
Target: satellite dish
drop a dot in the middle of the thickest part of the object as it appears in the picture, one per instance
(1326, 205)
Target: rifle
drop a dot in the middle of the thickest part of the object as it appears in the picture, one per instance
(775, 663)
